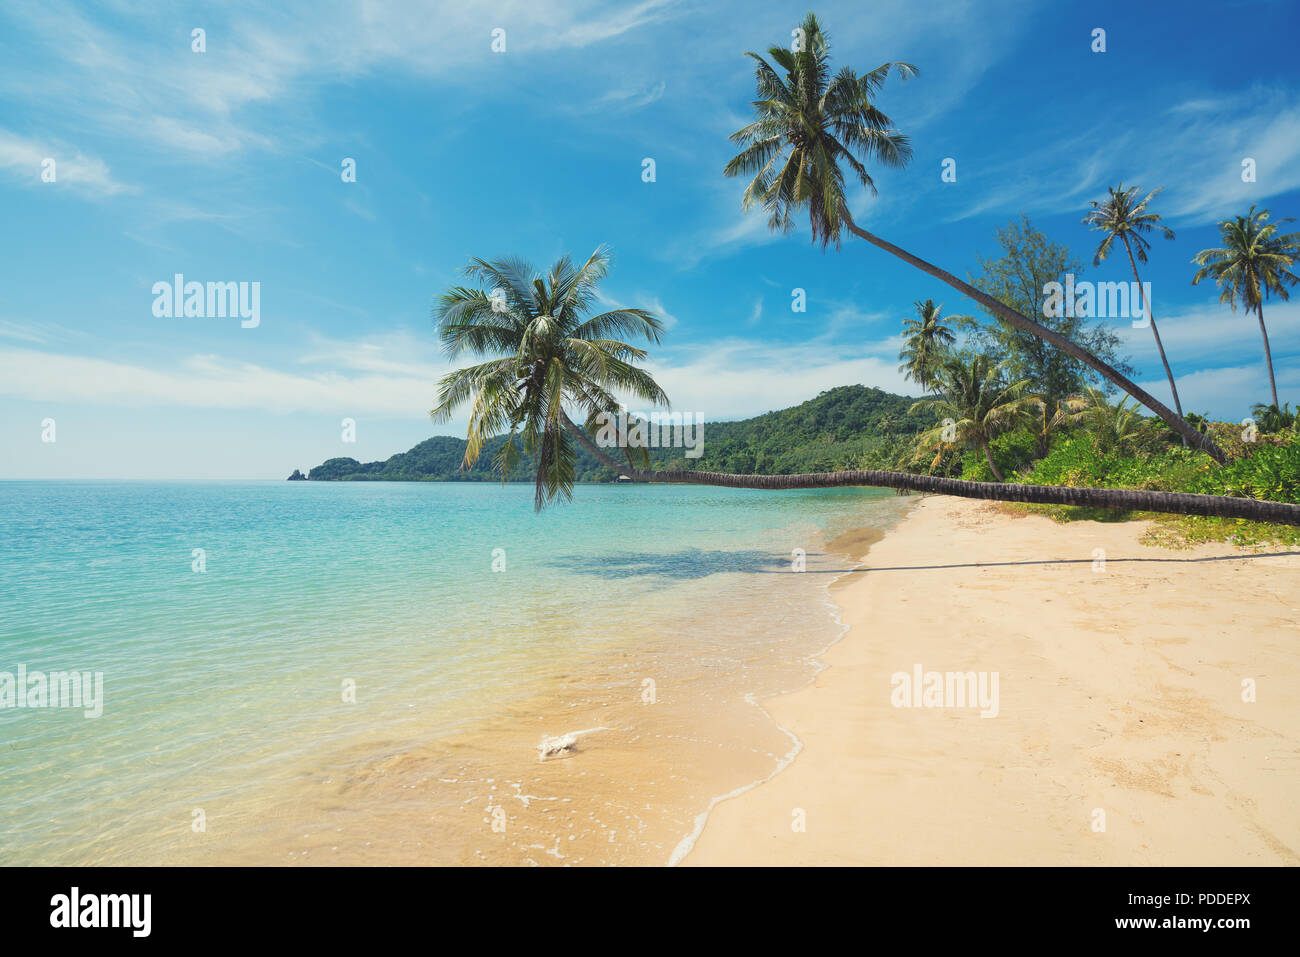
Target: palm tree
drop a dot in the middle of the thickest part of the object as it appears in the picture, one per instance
(1253, 263)
(808, 123)
(545, 352)
(977, 404)
(1050, 420)
(1112, 427)
(542, 354)
(927, 340)
(1118, 215)
(1271, 419)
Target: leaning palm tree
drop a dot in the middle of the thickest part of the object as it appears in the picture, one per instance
(926, 341)
(1118, 215)
(809, 122)
(546, 352)
(1253, 263)
(544, 359)
(977, 404)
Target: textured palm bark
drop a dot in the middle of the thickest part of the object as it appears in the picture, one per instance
(1268, 353)
(1173, 503)
(1151, 318)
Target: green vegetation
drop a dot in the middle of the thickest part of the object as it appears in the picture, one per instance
(544, 351)
(833, 431)
(1118, 215)
(1253, 264)
(813, 122)
(1018, 403)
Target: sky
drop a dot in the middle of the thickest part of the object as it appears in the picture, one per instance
(227, 165)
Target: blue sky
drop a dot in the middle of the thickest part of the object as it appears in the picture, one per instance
(225, 166)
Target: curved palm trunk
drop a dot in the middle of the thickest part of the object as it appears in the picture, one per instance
(1176, 422)
(1151, 318)
(988, 454)
(1173, 503)
(1268, 354)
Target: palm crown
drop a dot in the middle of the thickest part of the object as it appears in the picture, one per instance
(808, 124)
(1119, 216)
(545, 352)
(925, 343)
(1253, 262)
(979, 403)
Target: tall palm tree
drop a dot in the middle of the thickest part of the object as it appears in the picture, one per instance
(926, 341)
(1253, 263)
(808, 123)
(1118, 215)
(545, 352)
(978, 403)
(543, 355)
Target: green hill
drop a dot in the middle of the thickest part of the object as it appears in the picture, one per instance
(834, 430)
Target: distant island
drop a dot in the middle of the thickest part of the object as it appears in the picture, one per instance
(833, 431)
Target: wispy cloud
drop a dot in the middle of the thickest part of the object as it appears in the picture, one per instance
(213, 382)
(25, 160)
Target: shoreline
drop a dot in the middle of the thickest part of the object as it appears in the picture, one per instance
(1122, 737)
(633, 794)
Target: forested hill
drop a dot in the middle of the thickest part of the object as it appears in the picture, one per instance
(834, 430)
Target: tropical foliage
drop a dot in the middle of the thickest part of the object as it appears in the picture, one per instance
(926, 340)
(1253, 264)
(1124, 216)
(545, 351)
(810, 122)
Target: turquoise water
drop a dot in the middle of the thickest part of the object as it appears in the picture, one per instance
(221, 681)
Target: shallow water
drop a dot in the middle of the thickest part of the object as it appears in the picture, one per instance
(659, 613)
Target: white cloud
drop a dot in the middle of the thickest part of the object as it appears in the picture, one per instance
(1230, 392)
(211, 382)
(23, 158)
(1213, 333)
(738, 378)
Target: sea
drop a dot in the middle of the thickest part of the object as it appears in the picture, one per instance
(369, 673)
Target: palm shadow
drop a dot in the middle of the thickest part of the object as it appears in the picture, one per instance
(682, 565)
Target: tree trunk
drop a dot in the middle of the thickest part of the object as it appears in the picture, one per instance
(1268, 354)
(988, 454)
(1176, 422)
(1151, 318)
(1173, 503)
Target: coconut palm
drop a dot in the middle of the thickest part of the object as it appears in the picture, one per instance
(1253, 263)
(1113, 427)
(1270, 418)
(546, 352)
(1052, 418)
(809, 122)
(977, 404)
(926, 341)
(1119, 215)
(545, 359)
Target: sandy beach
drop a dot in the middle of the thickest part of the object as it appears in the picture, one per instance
(1122, 734)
